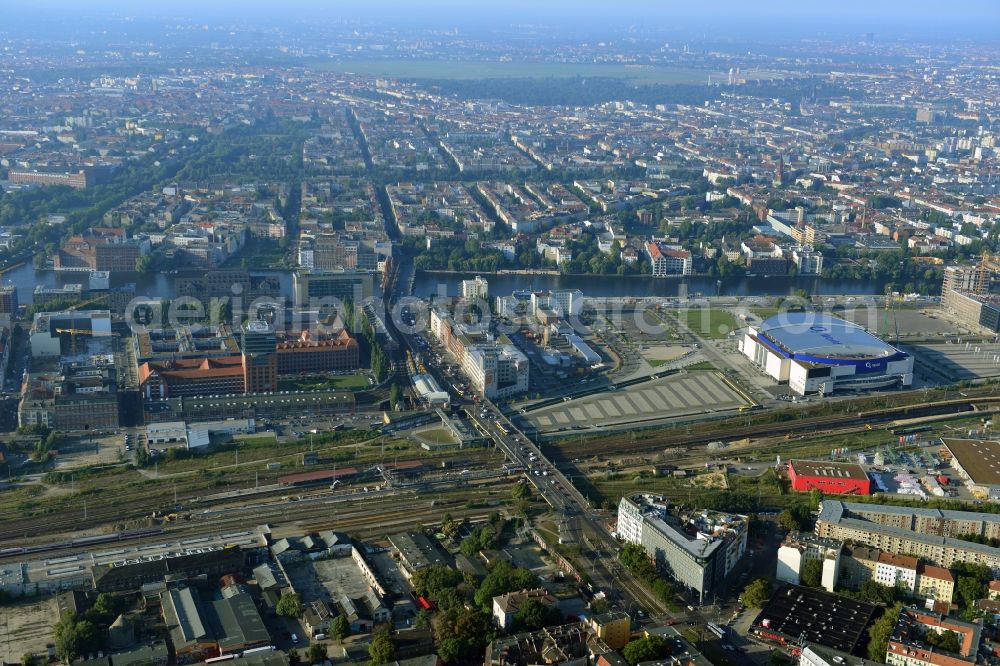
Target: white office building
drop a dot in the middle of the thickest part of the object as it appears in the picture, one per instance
(496, 371)
(475, 289)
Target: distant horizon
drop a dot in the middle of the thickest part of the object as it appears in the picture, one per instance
(714, 18)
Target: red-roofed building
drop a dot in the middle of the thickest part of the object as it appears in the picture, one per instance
(935, 583)
(305, 355)
(160, 380)
(907, 646)
(668, 261)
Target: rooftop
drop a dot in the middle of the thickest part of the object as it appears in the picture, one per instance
(417, 550)
(828, 469)
(700, 533)
(818, 617)
(980, 459)
(819, 334)
(914, 624)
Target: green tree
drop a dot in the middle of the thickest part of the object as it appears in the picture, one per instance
(796, 518)
(76, 637)
(317, 653)
(533, 614)
(422, 620)
(971, 582)
(105, 604)
(293, 657)
(290, 605)
(432, 581)
(970, 589)
(382, 648)
(599, 606)
(647, 648)
(501, 579)
(880, 631)
(812, 573)
(449, 650)
(395, 395)
(340, 628)
(949, 641)
(521, 492)
(462, 632)
(877, 592)
(756, 593)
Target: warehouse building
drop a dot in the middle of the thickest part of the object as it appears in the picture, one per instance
(978, 462)
(796, 614)
(832, 478)
(698, 549)
(818, 353)
(129, 565)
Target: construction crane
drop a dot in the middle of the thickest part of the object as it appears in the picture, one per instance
(890, 308)
(72, 308)
(72, 336)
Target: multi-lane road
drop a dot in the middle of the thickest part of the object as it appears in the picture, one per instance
(598, 546)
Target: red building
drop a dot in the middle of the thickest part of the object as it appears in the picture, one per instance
(192, 377)
(305, 355)
(830, 477)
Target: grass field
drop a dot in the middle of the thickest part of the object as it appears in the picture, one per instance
(446, 69)
(711, 322)
(437, 436)
(355, 382)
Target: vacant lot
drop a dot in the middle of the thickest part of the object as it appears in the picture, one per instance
(26, 628)
(437, 436)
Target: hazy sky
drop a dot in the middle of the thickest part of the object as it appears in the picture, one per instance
(884, 17)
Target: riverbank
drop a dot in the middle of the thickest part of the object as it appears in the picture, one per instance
(446, 283)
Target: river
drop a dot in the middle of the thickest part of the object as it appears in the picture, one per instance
(158, 285)
(430, 284)
(154, 285)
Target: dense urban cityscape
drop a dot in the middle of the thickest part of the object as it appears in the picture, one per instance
(508, 335)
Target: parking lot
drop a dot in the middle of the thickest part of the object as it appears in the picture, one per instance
(953, 361)
(340, 577)
(679, 395)
(910, 322)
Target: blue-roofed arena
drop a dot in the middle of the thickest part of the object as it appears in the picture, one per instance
(817, 353)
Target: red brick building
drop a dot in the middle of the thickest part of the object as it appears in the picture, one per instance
(191, 377)
(101, 249)
(832, 478)
(304, 355)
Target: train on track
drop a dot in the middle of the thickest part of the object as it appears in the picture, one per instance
(126, 535)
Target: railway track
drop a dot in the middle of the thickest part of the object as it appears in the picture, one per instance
(733, 431)
(85, 516)
(380, 514)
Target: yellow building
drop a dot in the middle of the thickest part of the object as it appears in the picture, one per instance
(614, 628)
(935, 583)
